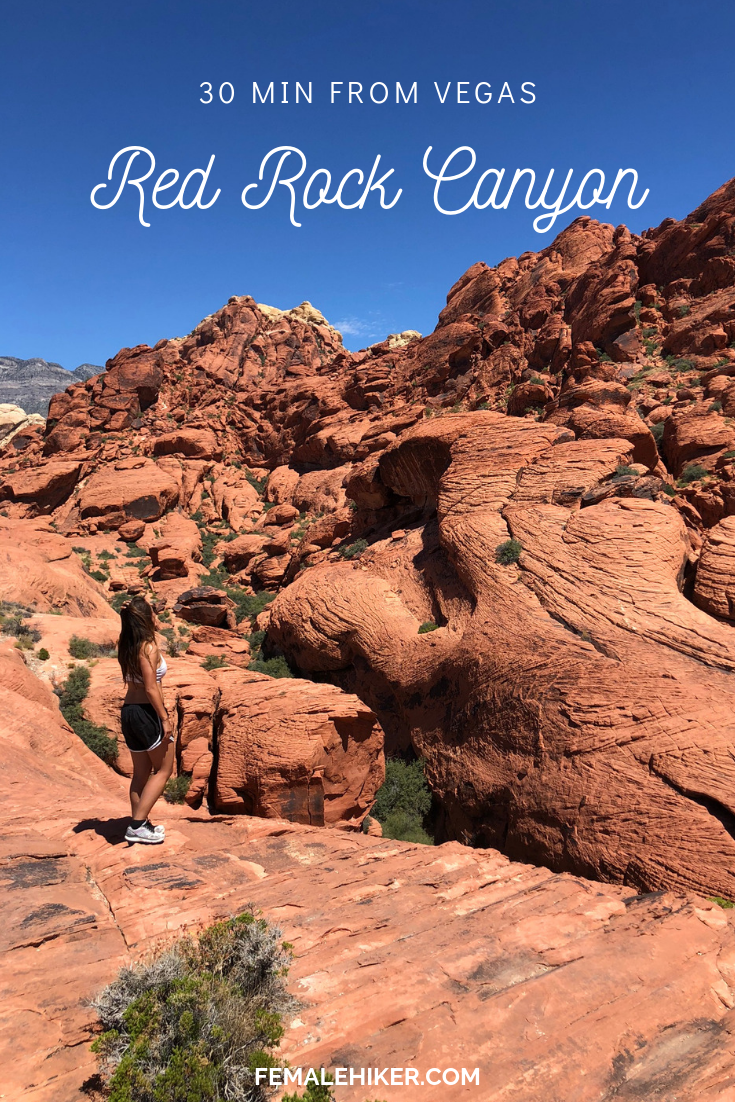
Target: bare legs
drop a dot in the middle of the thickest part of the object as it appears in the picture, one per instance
(151, 770)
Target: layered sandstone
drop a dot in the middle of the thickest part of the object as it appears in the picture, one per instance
(405, 956)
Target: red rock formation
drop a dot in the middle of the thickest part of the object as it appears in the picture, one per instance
(558, 972)
(295, 750)
(554, 692)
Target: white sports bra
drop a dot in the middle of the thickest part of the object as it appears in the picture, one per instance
(161, 670)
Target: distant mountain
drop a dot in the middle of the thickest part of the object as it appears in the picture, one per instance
(30, 384)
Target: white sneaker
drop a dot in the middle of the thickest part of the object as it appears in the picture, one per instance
(143, 834)
(158, 829)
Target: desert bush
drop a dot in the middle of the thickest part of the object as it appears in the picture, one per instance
(403, 802)
(135, 552)
(657, 432)
(273, 667)
(176, 788)
(623, 471)
(43, 655)
(80, 647)
(71, 694)
(716, 407)
(427, 626)
(194, 1021)
(249, 605)
(692, 473)
(214, 662)
(354, 549)
(508, 552)
(726, 904)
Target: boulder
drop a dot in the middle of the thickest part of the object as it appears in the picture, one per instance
(206, 605)
(131, 530)
(45, 486)
(296, 750)
(280, 514)
(212, 642)
(134, 489)
(714, 588)
(238, 553)
(280, 485)
(193, 443)
(178, 549)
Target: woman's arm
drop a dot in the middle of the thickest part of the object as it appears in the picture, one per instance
(153, 688)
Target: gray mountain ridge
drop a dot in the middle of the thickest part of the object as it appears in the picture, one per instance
(32, 383)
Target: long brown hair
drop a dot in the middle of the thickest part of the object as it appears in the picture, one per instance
(138, 629)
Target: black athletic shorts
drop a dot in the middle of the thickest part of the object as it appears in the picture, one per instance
(141, 727)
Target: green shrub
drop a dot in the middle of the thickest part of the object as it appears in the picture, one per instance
(249, 605)
(85, 556)
(354, 549)
(43, 655)
(79, 647)
(728, 454)
(724, 903)
(24, 642)
(508, 552)
(683, 311)
(622, 471)
(71, 694)
(106, 555)
(117, 600)
(679, 363)
(135, 552)
(257, 483)
(669, 490)
(403, 802)
(176, 788)
(193, 1022)
(427, 626)
(657, 432)
(716, 406)
(273, 667)
(213, 662)
(693, 472)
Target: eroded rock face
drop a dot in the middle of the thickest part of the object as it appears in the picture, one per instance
(295, 750)
(557, 693)
(39, 570)
(578, 400)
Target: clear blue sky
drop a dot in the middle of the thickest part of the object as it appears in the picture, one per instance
(641, 84)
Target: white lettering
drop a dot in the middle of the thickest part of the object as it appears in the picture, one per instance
(264, 96)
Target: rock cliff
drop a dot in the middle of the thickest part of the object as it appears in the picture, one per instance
(544, 483)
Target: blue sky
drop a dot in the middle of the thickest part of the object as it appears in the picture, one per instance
(646, 85)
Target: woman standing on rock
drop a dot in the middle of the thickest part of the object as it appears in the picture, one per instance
(145, 724)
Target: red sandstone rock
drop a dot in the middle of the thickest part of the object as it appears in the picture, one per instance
(194, 443)
(613, 662)
(295, 750)
(38, 569)
(714, 589)
(46, 486)
(131, 530)
(281, 514)
(206, 605)
(238, 553)
(178, 549)
(219, 643)
(134, 489)
(560, 972)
